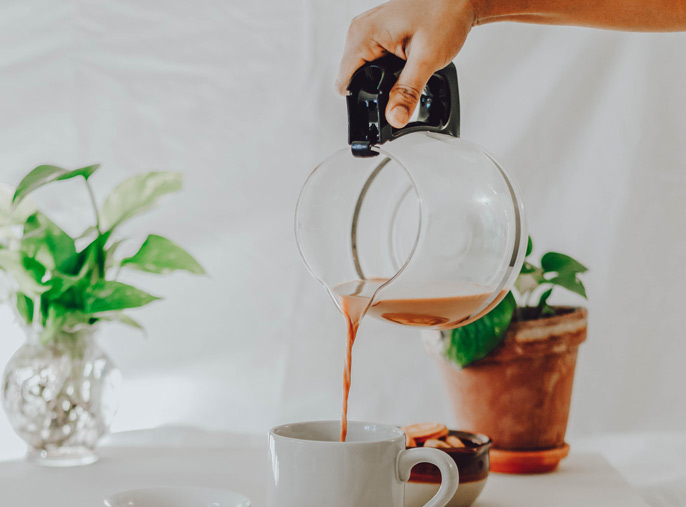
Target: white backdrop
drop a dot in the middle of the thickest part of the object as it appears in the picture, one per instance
(239, 96)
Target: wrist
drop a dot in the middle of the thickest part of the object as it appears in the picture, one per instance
(480, 10)
(489, 11)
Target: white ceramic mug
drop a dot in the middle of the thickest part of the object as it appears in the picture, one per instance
(310, 467)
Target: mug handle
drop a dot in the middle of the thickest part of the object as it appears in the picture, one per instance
(450, 476)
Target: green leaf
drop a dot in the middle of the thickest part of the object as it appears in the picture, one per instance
(53, 324)
(38, 177)
(529, 247)
(120, 317)
(544, 298)
(527, 267)
(570, 282)
(161, 255)
(75, 320)
(86, 172)
(543, 302)
(12, 262)
(106, 296)
(554, 262)
(111, 261)
(25, 307)
(96, 257)
(12, 215)
(476, 340)
(136, 195)
(44, 174)
(46, 242)
(71, 298)
(528, 281)
(89, 231)
(35, 268)
(60, 283)
(89, 261)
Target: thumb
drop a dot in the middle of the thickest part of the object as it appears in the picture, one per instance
(406, 92)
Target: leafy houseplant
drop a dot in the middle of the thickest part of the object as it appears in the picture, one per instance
(510, 373)
(475, 341)
(57, 388)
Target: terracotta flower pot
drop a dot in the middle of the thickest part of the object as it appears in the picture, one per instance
(520, 394)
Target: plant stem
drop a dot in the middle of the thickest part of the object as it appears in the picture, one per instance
(36, 320)
(95, 206)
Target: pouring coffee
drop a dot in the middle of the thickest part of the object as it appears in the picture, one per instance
(413, 226)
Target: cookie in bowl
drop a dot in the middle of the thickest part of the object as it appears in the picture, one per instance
(468, 450)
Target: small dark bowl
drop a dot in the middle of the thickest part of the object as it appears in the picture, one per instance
(472, 462)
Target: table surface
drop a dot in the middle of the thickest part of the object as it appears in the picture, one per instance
(239, 463)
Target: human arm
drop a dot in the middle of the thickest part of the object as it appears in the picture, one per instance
(430, 33)
(629, 15)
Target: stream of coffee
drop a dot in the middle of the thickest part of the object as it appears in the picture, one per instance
(438, 312)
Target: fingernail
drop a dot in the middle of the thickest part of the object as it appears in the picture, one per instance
(399, 115)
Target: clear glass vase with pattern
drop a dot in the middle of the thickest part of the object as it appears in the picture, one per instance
(60, 397)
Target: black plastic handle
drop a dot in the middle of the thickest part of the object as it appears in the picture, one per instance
(439, 105)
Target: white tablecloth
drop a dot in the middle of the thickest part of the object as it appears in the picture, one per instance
(654, 465)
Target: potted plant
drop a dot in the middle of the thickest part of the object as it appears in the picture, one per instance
(58, 387)
(509, 374)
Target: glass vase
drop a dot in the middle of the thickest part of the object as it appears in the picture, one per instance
(60, 397)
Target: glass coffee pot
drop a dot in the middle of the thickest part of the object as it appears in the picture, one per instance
(415, 226)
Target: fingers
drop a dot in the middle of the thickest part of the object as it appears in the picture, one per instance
(349, 64)
(406, 92)
(352, 60)
(360, 48)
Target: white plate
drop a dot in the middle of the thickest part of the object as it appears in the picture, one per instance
(176, 497)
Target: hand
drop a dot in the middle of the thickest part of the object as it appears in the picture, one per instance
(426, 33)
